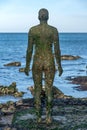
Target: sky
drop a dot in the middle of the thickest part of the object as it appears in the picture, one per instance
(21, 15)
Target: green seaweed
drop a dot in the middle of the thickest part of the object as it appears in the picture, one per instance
(80, 126)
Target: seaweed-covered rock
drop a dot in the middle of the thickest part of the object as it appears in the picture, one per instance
(56, 92)
(13, 64)
(69, 57)
(10, 90)
(65, 117)
(67, 114)
(8, 110)
(18, 94)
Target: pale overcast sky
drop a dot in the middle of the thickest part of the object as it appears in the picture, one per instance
(65, 15)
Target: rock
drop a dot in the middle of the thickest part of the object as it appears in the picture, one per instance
(31, 89)
(13, 64)
(8, 89)
(18, 94)
(8, 110)
(13, 128)
(81, 81)
(21, 69)
(69, 57)
(7, 128)
(9, 103)
(56, 92)
(66, 113)
(6, 120)
(11, 89)
(19, 103)
(65, 117)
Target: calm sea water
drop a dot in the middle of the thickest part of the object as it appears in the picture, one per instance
(13, 48)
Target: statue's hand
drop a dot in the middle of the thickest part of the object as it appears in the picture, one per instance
(26, 71)
(60, 70)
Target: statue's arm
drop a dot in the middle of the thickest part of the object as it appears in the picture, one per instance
(57, 52)
(29, 52)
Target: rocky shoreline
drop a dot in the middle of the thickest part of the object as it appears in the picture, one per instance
(67, 112)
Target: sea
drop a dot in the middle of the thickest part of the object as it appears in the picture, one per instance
(13, 48)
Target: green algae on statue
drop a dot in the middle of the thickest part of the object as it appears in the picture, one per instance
(43, 38)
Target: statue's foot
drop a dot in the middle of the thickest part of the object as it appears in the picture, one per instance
(49, 120)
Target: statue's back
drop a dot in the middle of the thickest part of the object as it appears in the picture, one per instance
(43, 36)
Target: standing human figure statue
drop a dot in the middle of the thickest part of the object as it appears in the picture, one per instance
(43, 38)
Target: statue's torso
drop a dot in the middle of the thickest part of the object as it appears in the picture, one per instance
(43, 36)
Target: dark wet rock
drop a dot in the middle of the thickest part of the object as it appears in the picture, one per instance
(9, 110)
(19, 103)
(69, 57)
(13, 64)
(70, 114)
(9, 128)
(67, 113)
(81, 81)
(6, 120)
(70, 101)
(58, 93)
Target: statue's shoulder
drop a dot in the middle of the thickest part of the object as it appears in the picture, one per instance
(32, 29)
(53, 28)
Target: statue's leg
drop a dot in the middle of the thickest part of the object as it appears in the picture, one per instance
(37, 77)
(49, 77)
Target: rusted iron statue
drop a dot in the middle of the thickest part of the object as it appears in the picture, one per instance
(43, 38)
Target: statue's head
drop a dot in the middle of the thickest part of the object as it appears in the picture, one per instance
(43, 14)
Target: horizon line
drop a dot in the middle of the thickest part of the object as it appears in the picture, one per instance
(58, 32)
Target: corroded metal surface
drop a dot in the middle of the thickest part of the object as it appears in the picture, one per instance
(43, 38)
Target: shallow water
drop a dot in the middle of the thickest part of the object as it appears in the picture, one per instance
(13, 48)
